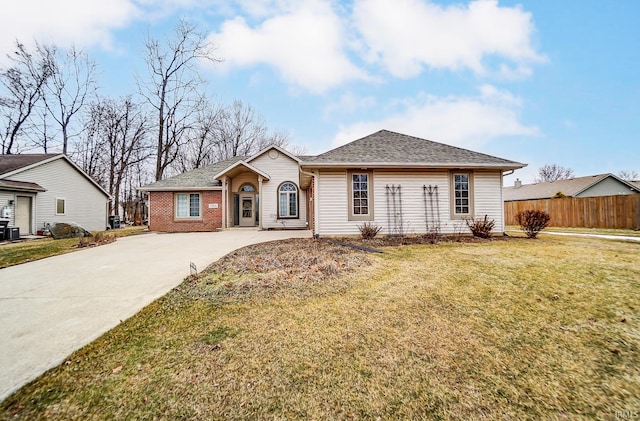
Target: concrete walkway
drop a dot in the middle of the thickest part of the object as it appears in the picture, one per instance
(52, 307)
(579, 234)
(603, 236)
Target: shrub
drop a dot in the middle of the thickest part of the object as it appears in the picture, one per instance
(369, 230)
(532, 221)
(481, 227)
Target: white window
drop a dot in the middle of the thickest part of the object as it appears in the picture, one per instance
(462, 186)
(188, 205)
(60, 206)
(360, 196)
(287, 200)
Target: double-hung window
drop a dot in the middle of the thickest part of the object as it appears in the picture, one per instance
(360, 196)
(462, 187)
(187, 205)
(288, 200)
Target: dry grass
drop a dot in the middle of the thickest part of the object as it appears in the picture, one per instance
(298, 268)
(27, 251)
(517, 329)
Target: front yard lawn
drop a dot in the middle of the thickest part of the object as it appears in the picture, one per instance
(302, 329)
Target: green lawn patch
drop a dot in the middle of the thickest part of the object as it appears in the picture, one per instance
(509, 329)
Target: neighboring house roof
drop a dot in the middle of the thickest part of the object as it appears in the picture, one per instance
(200, 178)
(20, 186)
(11, 163)
(17, 163)
(570, 187)
(387, 148)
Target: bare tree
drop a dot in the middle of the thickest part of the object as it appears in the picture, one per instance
(71, 86)
(115, 144)
(628, 175)
(552, 172)
(172, 88)
(243, 132)
(199, 150)
(24, 84)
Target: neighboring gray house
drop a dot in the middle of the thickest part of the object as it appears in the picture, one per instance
(402, 183)
(589, 186)
(36, 189)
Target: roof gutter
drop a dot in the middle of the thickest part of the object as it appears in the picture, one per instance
(170, 189)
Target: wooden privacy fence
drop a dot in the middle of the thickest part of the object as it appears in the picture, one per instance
(616, 212)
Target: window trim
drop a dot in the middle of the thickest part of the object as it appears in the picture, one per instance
(452, 194)
(297, 192)
(187, 218)
(351, 215)
(64, 206)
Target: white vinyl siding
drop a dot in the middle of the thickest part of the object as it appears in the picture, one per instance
(280, 170)
(332, 205)
(415, 211)
(85, 204)
(488, 197)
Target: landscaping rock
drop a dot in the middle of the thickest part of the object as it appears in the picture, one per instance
(64, 230)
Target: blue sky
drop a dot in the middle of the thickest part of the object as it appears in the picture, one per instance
(533, 81)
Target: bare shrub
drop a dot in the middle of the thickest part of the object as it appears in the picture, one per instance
(532, 221)
(369, 230)
(481, 227)
(96, 239)
(296, 268)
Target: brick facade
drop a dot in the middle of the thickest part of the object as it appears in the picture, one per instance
(162, 213)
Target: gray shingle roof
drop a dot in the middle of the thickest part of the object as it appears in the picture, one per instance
(200, 178)
(570, 187)
(9, 163)
(387, 147)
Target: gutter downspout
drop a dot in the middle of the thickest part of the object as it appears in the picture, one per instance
(504, 223)
(314, 178)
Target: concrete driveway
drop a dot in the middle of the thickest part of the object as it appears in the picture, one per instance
(52, 307)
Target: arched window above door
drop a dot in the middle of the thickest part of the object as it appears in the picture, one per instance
(247, 188)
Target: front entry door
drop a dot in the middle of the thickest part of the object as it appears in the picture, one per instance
(23, 214)
(247, 217)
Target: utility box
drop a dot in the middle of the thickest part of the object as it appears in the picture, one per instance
(114, 221)
(12, 233)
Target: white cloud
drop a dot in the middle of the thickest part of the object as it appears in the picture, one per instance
(305, 44)
(407, 35)
(349, 103)
(465, 121)
(63, 22)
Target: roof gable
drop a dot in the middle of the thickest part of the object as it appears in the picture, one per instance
(270, 147)
(236, 168)
(390, 148)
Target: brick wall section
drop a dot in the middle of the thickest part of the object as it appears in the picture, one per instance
(162, 214)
